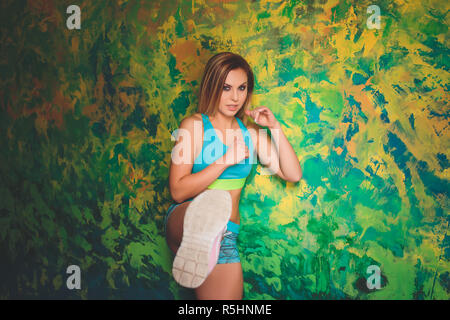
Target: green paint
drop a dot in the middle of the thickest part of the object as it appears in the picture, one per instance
(85, 124)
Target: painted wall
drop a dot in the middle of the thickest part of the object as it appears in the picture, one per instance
(86, 118)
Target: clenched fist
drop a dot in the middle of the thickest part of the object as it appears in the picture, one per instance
(237, 151)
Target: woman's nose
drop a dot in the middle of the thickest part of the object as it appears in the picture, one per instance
(235, 95)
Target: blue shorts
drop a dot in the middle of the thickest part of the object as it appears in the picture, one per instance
(228, 247)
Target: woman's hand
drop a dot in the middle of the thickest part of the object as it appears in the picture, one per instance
(237, 152)
(263, 116)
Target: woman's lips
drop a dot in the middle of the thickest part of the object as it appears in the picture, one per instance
(232, 107)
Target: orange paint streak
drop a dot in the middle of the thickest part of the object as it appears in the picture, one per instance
(351, 148)
(47, 9)
(338, 150)
(62, 106)
(91, 111)
(185, 52)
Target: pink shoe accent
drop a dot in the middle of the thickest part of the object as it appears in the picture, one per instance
(215, 251)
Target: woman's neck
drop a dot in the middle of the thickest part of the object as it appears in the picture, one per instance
(222, 121)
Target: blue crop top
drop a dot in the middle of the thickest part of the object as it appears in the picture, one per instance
(234, 176)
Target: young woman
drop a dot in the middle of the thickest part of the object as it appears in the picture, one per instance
(218, 152)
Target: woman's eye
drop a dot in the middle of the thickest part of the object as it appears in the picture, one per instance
(241, 87)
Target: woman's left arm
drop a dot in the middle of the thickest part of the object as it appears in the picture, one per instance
(277, 153)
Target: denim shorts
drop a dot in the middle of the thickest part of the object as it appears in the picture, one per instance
(228, 247)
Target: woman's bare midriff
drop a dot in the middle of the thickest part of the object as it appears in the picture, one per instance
(235, 197)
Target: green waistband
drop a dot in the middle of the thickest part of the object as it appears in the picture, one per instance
(227, 184)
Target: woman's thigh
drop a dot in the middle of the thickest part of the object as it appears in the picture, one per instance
(174, 228)
(225, 282)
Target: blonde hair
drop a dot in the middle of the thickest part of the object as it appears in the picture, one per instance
(213, 80)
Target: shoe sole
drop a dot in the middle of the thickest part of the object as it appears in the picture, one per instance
(205, 217)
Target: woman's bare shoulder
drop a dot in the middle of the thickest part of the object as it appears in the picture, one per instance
(189, 120)
(197, 116)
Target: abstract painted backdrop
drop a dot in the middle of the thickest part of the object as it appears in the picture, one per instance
(86, 123)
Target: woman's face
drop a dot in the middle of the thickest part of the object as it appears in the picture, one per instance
(234, 92)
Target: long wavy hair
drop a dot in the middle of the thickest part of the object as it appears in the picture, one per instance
(214, 76)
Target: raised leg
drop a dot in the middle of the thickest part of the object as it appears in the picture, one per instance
(174, 229)
(225, 282)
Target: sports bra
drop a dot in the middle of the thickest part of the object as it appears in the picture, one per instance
(234, 176)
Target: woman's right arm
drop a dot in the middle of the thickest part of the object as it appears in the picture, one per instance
(184, 184)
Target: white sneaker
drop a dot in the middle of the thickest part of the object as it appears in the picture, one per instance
(205, 222)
